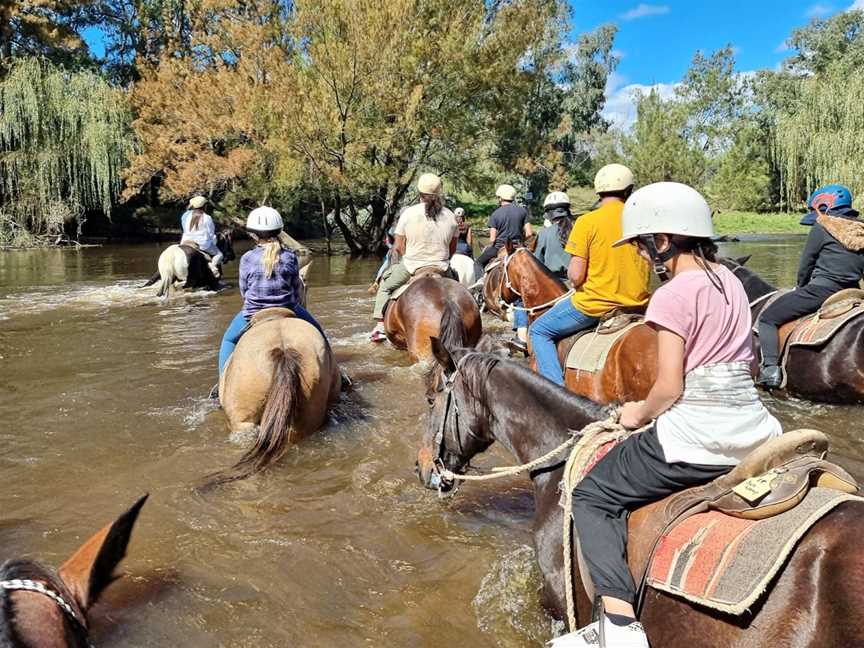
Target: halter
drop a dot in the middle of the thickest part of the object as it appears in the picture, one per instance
(23, 584)
(505, 281)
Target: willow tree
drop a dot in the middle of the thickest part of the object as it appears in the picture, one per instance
(64, 139)
(821, 139)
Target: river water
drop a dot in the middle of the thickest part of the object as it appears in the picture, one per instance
(102, 398)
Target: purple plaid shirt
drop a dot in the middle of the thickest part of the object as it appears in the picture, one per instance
(259, 292)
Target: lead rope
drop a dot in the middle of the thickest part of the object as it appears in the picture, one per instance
(576, 442)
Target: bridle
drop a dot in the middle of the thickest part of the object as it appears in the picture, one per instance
(27, 585)
(505, 282)
(439, 447)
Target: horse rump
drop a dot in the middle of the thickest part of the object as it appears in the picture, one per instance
(277, 421)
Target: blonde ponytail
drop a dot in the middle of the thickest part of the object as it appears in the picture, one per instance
(271, 256)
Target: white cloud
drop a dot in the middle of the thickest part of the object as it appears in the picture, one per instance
(858, 4)
(819, 10)
(643, 10)
(620, 108)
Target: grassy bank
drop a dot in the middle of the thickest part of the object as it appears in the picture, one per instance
(735, 222)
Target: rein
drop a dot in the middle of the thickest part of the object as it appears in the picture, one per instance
(26, 585)
(505, 281)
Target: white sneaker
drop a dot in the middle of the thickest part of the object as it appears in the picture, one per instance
(631, 636)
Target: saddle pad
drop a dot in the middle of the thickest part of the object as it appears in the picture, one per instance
(815, 329)
(727, 563)
(590, 351)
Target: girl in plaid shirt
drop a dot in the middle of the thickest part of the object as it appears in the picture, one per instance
(269, 278)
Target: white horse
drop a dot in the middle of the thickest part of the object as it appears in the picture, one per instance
(467, 269)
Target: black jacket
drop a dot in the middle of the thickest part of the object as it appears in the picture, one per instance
(834, 253)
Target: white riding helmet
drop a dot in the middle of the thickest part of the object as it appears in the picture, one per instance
(666, 208)
(429, 183)
(197, 202)
(458, 212)
(556, 198)
(613, 177)
(264, 219)
(506, 192)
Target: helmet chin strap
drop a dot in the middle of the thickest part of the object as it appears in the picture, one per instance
(658, 259)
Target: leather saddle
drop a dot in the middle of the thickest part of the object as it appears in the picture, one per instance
(269, 314)
(770, 480)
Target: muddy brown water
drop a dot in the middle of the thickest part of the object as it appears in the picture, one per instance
(102, 398)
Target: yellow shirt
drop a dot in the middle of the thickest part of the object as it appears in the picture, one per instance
(616, 276)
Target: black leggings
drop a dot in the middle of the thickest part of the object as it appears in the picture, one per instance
(799, 302)
(635, 472)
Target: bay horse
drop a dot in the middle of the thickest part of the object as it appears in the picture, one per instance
(830, 373)
(188, 265)
(495, 283)
(41, 607)
(816, 600)
(414, 318)
(279, 384)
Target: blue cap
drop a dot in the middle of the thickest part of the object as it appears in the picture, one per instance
(830, 198)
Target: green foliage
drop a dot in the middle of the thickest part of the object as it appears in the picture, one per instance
(657, 149)
(64, 139)
(739, 222)
(833, 43)
(741, 178)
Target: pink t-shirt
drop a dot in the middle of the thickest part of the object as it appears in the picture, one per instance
(713, 330)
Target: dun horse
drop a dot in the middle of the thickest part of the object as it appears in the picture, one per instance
(39, 607)
(816, 600)
(281, 379)
(414, 318)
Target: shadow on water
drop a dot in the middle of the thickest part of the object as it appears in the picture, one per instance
(102, 397)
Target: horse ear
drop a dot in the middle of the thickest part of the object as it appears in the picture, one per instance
(442, 355)
(304, 271)
(742, 261)
(91, 569)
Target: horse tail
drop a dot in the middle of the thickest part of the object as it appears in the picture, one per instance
(452, 334)
(165, 287)
(152, 280)
(277, 421)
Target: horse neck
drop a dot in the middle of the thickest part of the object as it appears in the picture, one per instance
(535, 283)
(754, 285)
(529, 415)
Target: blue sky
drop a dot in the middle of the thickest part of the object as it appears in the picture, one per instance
(657, 39)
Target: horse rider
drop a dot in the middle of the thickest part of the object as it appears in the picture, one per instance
(550, 252)
(833, 259)
(199, 230)
(702, 318)
(389, 240)
(426, 235)
(269, 278)
(605, 278)
(507, 223)
(465, 242)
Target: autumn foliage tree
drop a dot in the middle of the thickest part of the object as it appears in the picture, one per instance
(348, 100)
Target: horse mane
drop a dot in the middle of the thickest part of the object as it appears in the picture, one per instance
(30, 570)
(477, 370)
(543, 269)
(751, 281)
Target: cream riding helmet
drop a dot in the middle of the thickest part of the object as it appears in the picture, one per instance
(556, 199)
(197, 202)
(430, 184)
(664, 208)
(506, 192)
(613, 177)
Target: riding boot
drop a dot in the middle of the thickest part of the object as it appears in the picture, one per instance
(770, 377)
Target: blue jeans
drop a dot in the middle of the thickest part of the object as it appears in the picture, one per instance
(238, 326)
(560, 321)
(520, 317)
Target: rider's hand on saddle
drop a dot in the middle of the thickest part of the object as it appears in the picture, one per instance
(632, 415)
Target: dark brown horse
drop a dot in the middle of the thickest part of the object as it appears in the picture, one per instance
(412, 320)
(817, 600)
(44, 609)
(830, 373)
(496, 295)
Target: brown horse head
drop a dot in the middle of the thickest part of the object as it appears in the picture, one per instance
(39, 607)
